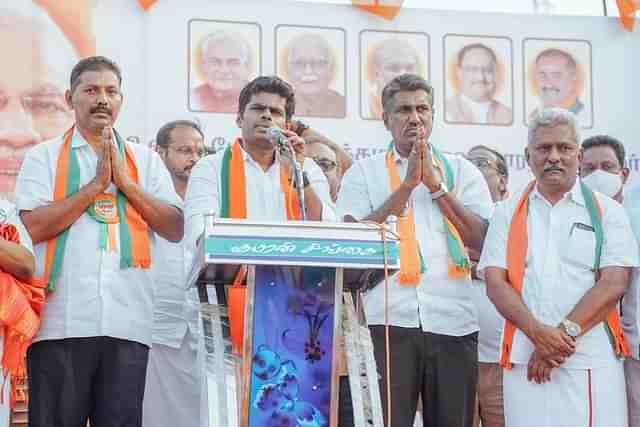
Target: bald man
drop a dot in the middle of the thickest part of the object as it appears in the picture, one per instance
(389, 59)
(311, 69)
(225, 61)
(38, 59)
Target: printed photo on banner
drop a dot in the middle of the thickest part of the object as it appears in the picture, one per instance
(385, 55)
(313, 60)
(479, 80)
(558, 74)
(224, 57)
(39, 46)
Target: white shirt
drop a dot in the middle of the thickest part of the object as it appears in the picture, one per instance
(439, 303)
(491, 324)
(176, 309)
(560, 259)
(93, 296)
(265, 198)
(631, 300)
(479, 110)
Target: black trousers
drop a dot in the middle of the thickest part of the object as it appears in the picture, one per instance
(73, 380)
(441, 368)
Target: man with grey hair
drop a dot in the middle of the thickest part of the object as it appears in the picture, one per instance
(442, 204)
(311, 69)
(225, 62)
(33, 76)
(389, 58)
(557, 259)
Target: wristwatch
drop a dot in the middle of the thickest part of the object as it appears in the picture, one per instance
(441, 191)
(571, 328)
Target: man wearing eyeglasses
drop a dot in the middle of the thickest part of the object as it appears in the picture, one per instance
(478, 79)
(490, 408)
(311, 69)
(175, 371)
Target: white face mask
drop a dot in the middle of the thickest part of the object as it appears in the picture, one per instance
(604, 182)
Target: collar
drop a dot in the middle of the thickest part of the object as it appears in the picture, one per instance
(575, 194)
(248, 159)
(77, 140)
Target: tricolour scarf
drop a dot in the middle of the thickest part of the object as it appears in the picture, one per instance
(21, 303)
(517, 247)
(233, 204)
(411, 257)
(134, 231)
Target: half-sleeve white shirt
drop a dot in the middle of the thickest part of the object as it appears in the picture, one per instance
(93, 295)
(265, 198)
(439, 304)
(559, 264)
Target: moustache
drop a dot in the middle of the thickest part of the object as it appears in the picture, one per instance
(100, 110)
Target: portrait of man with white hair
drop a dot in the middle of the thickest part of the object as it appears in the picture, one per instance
(310, 62)
(32, 82)
(224, 61)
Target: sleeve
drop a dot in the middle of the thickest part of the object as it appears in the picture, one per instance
(25, 238)
(494, 251)
(34, 185)
(201, 197)
(318, 182)
(354, 198)
(474, 191)
(160, 184)
(620, 247)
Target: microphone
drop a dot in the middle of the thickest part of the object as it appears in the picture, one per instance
(276, 135)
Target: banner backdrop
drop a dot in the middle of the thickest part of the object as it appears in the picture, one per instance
(189, 58)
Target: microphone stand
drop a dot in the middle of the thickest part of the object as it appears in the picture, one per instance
(299, 180)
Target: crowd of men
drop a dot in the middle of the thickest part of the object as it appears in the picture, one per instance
(505, 311)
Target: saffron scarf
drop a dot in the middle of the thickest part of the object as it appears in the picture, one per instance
(411, 258)
(21, 304)
(233, 204)
(133, 230)
(517, 246)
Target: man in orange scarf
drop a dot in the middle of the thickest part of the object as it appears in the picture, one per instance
(16, 260)
(557, 259)
(92, 203)
(250, 178)
(433, 327)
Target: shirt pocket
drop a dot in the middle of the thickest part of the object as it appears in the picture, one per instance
(580, 248)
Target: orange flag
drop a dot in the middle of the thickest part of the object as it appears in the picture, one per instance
(628, 10)
(146, 4)
(388, 9)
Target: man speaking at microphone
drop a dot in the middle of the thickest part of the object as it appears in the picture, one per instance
(92, 203)
(253, 177)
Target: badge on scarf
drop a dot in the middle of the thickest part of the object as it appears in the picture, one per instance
(105, 211)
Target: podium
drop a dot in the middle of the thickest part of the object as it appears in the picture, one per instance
(285, 372)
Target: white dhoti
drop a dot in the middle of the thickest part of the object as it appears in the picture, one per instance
(573, 398)
(172, 395)
(632, 377)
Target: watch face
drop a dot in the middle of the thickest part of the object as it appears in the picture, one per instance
(573, 330)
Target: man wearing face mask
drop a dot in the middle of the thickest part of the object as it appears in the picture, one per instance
(602, 167)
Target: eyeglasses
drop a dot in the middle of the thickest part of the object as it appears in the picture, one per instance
(188, 152)
(327, 165)
(485, 165)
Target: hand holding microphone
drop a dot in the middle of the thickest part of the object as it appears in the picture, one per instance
(285, 140)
